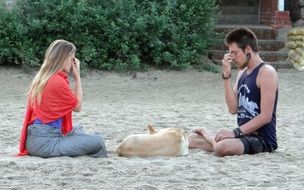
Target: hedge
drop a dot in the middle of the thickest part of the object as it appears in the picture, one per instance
(110, 34)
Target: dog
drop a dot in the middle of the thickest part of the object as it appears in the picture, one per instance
(163, 142)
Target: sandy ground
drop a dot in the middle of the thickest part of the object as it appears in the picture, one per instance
(117, 105)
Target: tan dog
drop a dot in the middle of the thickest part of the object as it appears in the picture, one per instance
(163, 142)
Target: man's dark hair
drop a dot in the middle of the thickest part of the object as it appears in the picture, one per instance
(242, 37)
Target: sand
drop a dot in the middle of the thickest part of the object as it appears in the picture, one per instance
(118, 105)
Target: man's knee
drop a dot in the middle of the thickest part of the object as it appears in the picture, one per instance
(223, 149)
(226, 148)
(220, 149)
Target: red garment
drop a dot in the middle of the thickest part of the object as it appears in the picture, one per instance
(57, 101)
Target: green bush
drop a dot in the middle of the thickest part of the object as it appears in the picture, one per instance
(112, 34)
(11, 37)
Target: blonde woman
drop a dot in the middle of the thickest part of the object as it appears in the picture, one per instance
(47, 128)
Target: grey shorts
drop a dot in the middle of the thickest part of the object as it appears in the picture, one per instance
(254, 144)
(47, 141)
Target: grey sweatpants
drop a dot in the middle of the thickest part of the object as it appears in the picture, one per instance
(47, 141)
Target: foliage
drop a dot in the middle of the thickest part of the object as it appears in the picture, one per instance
(110, 34)
(11, 37)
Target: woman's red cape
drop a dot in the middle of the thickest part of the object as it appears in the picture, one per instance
(58, 101)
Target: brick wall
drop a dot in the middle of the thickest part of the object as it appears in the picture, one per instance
(269, 14)
(281, 19)
(267, 10)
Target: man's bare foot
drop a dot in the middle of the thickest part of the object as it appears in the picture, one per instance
(208, 137)
(197, 140)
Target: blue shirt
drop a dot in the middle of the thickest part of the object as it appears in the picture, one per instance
(57, 123)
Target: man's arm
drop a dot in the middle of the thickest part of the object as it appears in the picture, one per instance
(267, 81)
(231, 94)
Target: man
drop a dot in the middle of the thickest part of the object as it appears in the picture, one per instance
(253, 98)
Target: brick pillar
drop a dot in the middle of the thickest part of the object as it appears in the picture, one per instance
(281, 20)
(269, 14)
(267, 11)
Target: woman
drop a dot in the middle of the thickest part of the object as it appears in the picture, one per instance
(47, 128)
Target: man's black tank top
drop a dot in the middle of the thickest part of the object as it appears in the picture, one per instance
(249, 98)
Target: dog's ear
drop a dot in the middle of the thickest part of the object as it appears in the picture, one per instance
(151, 129)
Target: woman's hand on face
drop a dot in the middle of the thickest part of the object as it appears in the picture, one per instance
(76, 68)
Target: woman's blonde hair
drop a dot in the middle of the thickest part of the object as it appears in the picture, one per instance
(54, 59)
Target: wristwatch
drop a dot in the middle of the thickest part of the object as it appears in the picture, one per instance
(226, 77)
(238, 132)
